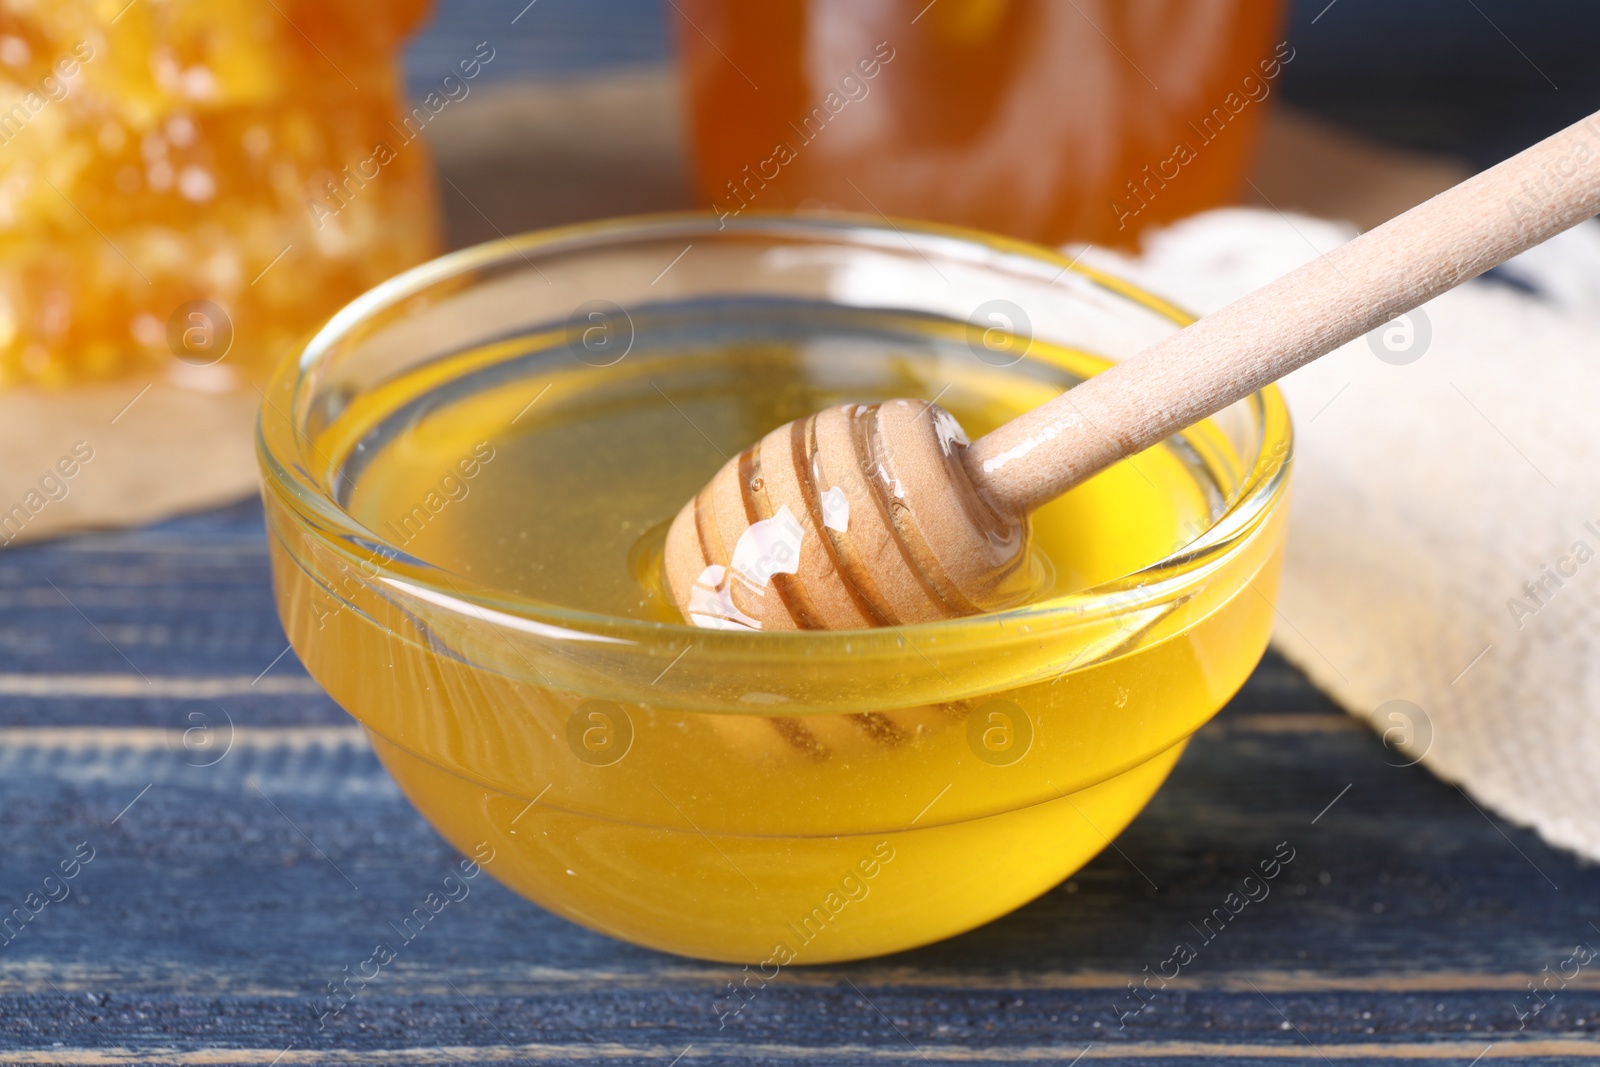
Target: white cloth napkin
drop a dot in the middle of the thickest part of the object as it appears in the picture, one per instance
(1444, 540)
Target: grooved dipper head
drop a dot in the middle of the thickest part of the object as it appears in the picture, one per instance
(861, 515)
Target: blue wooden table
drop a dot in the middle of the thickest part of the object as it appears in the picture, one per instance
(195, 842)
(235, 848)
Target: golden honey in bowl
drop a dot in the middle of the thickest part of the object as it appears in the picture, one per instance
(468, 560)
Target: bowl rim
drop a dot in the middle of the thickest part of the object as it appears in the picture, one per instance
(317, 514)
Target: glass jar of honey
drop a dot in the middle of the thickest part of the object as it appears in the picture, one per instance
(1051, 120)
(189, 187)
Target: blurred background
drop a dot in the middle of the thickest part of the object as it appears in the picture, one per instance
(1472, 77)
(1472, 80)
(210, 181)
(188, 190)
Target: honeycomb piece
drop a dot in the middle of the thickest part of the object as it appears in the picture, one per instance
(246, 161)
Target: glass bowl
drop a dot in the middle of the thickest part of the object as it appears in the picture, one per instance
(766, 798)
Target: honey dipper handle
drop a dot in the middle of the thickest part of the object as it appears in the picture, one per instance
(1305, 314)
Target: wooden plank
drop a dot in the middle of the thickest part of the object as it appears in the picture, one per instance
(222, 898)
(1564, 1051)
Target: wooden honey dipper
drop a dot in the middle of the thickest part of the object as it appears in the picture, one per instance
(883, 514)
